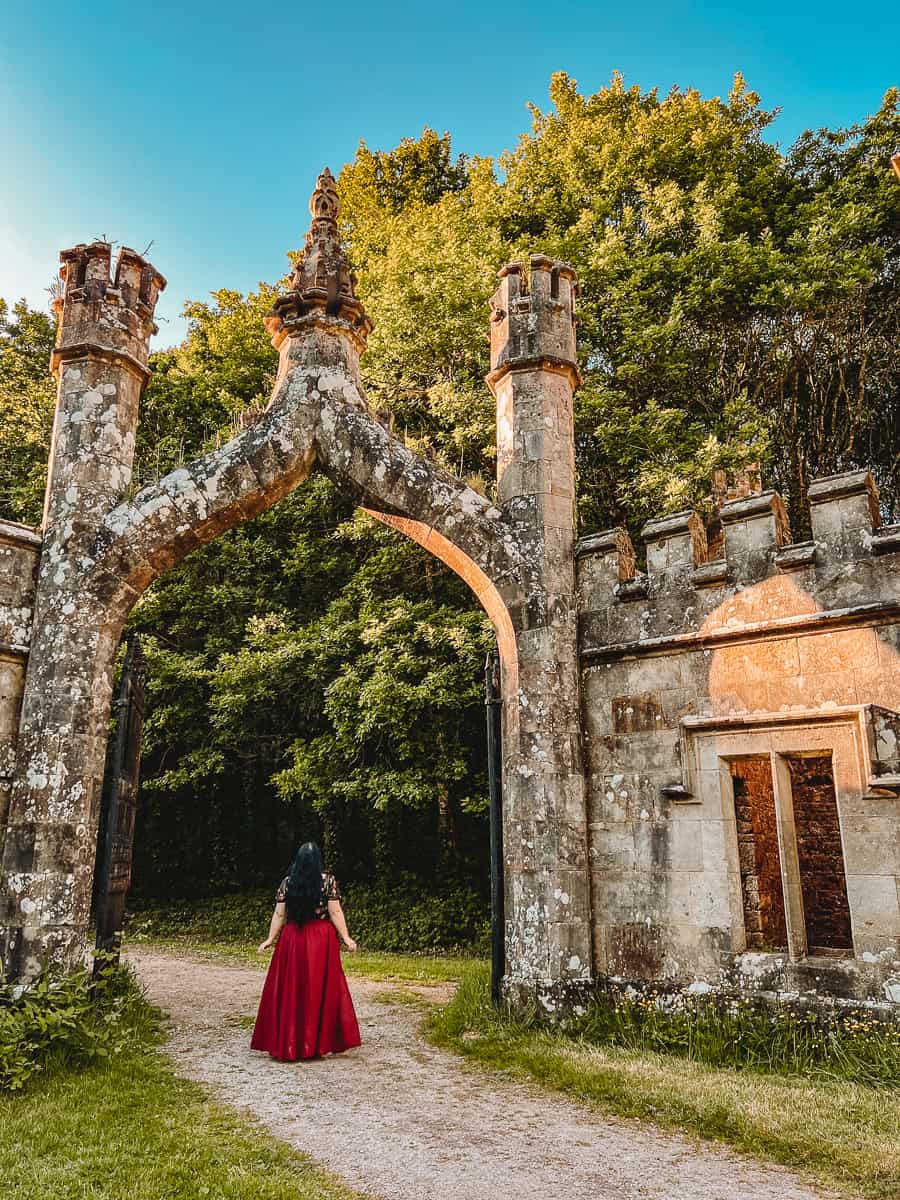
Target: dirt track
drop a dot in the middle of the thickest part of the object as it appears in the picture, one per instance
(402, 1120)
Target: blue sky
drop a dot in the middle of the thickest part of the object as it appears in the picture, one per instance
(202, 126)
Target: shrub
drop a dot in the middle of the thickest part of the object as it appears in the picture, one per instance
(67, 1021)
(402, 918)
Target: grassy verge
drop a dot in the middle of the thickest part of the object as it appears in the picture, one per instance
(844, 1136)
(379, 966)
(131, 1128)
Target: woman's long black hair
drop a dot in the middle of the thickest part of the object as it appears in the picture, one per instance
(303, 894)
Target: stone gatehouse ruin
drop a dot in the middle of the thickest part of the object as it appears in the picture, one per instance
(701, 762)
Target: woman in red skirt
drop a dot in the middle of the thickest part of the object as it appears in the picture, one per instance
(305, 1009)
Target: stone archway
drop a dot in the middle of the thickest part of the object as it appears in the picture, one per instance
(100, 552)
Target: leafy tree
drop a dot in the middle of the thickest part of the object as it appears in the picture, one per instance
(315, 674)
(27, 395)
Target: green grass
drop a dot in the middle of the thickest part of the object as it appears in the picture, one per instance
(379, 966)
(125, 1125)
(843, 1136)
(132, 1129)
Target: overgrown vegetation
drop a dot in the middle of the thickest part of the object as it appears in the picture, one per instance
(69, 1022)
(799, 1102)
(398, 920)
(314, 674)
(853, 1044)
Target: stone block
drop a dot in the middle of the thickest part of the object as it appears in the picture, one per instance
(872, 845)
(754, 528)
(683, 849)
(844, 650)
(845, 512)
(612, 846)
(875, 908)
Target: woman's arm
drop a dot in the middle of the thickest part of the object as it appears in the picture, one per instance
(336, 913)
(279, 916)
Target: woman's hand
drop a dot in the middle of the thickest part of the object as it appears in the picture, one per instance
(350, 945)
(264, 946)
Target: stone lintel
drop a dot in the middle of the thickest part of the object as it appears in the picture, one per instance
(605, 542)
(710, 574)
(887, 540)
(796, 556)
(662, 528)
(847, 483)
(848, 486)
(750, 508)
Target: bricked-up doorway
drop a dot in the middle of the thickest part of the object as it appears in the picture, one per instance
(798, 847)
(823, 881)
(759, 858)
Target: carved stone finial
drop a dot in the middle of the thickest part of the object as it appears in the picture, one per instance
(322, 284)
(324, 201)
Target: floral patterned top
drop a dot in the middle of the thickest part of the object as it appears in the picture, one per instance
(330, 891)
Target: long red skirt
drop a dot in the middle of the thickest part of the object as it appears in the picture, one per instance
(305, 1009)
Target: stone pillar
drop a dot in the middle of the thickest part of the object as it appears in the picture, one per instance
(100, 362)
(533, 376)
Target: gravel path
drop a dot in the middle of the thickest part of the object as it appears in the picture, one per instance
(402, 1120)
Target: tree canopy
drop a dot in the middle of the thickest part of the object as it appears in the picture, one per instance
(314, 673)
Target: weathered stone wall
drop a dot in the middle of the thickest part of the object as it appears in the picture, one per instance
(20, 549)
(773, 650)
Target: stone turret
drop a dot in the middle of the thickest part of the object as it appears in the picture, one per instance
(100, 362)
(534, 371)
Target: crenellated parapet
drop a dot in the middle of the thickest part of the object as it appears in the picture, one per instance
(533, 318)
(683, 589)
(105, 307)
(745, 686)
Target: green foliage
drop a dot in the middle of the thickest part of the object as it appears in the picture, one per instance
(68, 1022)
(400, 919)
(27, 394)
(313, 674)
(722, 1031)
(736, 304)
